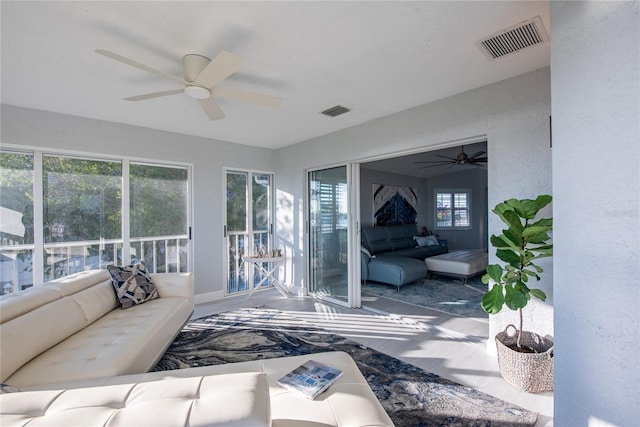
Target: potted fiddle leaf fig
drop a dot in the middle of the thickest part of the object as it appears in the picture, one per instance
(525, 358)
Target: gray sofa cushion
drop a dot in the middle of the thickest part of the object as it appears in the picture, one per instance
(396, 270)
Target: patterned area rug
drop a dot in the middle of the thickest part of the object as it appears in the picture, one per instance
(437, 293)
(411, 396)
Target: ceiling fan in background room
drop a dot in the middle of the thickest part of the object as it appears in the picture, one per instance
(201, 79)
(462, 159)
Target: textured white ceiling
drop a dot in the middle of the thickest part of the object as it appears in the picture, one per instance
(376, 58)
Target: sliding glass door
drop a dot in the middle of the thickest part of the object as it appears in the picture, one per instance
(332, 265)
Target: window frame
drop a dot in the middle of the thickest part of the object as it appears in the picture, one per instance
(451, 192)
(38, 203)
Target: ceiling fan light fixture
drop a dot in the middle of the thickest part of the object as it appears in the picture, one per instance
(197, 92)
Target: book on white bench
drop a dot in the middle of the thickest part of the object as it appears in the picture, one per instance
(311, 378)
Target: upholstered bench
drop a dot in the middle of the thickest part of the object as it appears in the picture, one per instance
(461, 264)
(240, 399)
(397, 270)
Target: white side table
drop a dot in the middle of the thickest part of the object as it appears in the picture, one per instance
(273, 264)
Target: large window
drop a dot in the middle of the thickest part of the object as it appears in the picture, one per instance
(82, 214)
(16, 221)
(453, 209)
(61, 215)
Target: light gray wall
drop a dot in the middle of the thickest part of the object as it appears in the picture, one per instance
(596, 160)
(512, 114)
(368, 177)
(476, 181)
(208, 157)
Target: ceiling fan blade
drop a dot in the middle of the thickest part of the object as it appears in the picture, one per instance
(479, 160)
(436, 165)
(479, 153)
(220, 67)
(154, 95)
(245, 96)
(453, 159)
(444, 162)
(211, 108)
(139, 65)
(476, 165)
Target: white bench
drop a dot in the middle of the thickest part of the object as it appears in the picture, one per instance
(460, 264)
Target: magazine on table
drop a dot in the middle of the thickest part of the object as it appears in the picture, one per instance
(311, 378)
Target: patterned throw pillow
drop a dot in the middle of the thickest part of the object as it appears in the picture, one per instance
(6, 388)
(132, 284)
(426, 240)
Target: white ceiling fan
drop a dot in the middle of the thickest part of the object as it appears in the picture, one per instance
(201, 79)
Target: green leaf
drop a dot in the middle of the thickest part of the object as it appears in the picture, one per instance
(543, 200)
(499, 242)
(538, 238)
(513, 220)
(514, 237)
(485, 278)
(534, 230)
(530, 208)
(493, 300)
(508, 256)
(495, 272)
(516, 205)
(538, 294)
(543, 222)
(515, 299)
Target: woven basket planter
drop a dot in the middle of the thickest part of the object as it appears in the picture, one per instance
(531, 372)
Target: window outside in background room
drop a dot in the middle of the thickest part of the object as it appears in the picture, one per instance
(453, 209)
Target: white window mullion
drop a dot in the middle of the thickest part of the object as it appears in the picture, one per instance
(126, 225)
(38, 220)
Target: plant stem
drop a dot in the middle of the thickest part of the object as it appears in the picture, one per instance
(519, 329)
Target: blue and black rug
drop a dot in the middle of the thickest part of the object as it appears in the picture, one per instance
(437, 293)
(411, 396)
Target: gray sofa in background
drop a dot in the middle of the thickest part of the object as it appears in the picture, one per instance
(390, 254)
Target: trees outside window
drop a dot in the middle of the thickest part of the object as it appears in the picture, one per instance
(83, 221)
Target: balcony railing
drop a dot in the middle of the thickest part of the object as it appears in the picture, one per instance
(160, 254)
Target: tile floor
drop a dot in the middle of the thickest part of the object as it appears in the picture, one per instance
(450, 346)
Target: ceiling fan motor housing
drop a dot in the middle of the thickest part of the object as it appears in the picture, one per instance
(193, 65)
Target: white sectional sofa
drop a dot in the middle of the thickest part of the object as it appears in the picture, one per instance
(73, 329)
(77, 359)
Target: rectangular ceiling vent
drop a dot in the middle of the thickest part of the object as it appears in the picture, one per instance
(335, 111)
(513, 39)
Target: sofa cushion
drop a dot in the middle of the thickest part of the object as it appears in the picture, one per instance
(240, 399)
(396, 270)
(376, 239)
(26, 336)
(132, 284)
(120, 342)
(398, 238)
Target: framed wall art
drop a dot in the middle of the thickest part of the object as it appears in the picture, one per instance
(393, 205)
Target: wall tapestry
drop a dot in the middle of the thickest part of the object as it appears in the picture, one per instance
(393, 205)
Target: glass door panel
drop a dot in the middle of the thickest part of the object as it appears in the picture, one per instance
(328, 233)
(248, 226)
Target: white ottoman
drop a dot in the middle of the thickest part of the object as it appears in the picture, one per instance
(461, 264)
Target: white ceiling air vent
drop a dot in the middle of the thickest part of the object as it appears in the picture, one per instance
(335, 111)
(514, 39)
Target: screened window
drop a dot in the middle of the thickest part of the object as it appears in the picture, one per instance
(453, 209)
(61, 215)
(16, 221)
